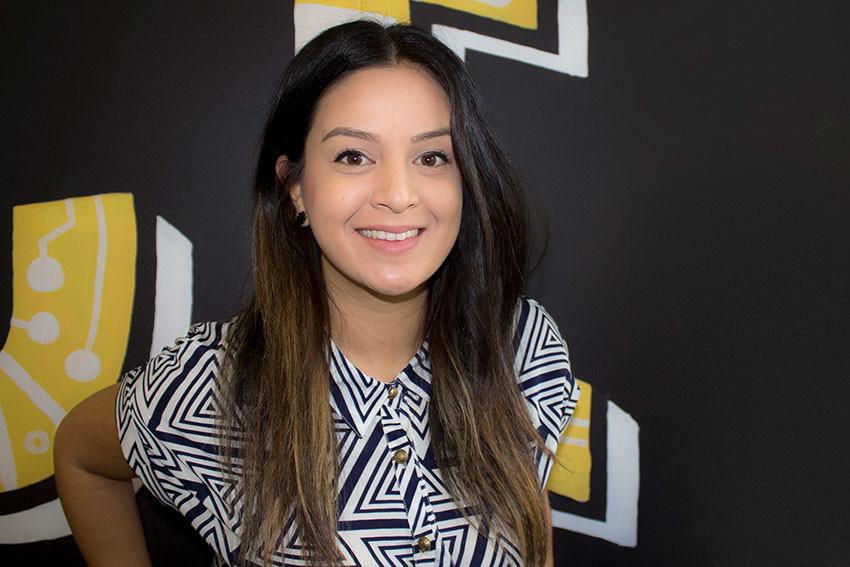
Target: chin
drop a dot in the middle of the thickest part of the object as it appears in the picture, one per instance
(398, 290)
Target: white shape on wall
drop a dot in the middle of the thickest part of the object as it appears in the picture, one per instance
(623, 486)
(571, 57)
(173, 304)
(312, 19)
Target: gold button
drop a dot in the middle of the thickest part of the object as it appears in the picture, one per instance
(424, 543)
(393, 392)
(400, 456)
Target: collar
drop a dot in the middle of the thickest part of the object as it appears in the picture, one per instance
(357, 398)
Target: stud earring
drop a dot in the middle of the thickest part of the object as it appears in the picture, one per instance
(301, 218)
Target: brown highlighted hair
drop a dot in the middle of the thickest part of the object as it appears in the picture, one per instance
(276, 417)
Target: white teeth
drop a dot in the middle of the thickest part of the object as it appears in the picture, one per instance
(389, 236)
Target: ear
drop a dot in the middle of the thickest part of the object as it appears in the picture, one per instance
(282, 166)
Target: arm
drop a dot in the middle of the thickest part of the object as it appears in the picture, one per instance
(93, 480)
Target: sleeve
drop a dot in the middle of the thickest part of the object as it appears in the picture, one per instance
(543, 373)
(166, 416)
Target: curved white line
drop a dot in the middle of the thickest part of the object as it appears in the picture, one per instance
(571, 57)
(31, 388)
(8, 469)
(99, 273)
(623, 486)
(173, 304)
(64, 227)
(495, 3)
(312, 19)
(46, 521)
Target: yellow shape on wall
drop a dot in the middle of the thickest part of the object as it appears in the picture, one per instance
(570, 474)
(522, 13)
(73, 279)
(396, 9)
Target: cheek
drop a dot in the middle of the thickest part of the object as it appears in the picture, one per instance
(329, 198)
(452, 204)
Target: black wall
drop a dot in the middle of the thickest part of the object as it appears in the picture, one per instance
(697, 185)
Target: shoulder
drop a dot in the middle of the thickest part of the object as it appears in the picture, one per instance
(181, 374)
(543, 369)
(166, 413)
(538, 340)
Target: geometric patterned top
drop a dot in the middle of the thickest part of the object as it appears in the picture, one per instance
(393, 507)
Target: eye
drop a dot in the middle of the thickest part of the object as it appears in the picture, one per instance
(352, 157)
(432, 159)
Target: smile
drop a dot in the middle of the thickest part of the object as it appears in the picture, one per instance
(389, 236)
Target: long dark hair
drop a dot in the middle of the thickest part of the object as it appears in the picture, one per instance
(276, 416)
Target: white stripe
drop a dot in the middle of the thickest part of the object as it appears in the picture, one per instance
(571, 57)
(101, 268)
(578, 422)
(31, 388)
(173, 304)
(8, 469)
(623, 486)
(572, 441)
(46, 521)
(64, 227)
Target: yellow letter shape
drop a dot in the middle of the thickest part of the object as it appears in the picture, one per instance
(570, 474)
(73, 279)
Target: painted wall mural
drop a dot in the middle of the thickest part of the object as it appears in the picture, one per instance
(572, 479)
(686, 156)
(74, 272)
(28, 460)
(311, 17)
(73, 282)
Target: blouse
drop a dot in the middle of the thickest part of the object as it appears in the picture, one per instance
(394, 509)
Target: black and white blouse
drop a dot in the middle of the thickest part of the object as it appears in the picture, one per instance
(393, 507)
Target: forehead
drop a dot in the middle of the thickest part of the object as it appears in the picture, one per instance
(384, 96)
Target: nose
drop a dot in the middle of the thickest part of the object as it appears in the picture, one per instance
(395, 189)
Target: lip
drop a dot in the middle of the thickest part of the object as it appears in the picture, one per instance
(390, 228)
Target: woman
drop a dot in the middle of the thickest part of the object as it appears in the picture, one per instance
(389, 253)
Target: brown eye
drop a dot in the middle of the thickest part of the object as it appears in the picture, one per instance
(433, 159)
(351, 157)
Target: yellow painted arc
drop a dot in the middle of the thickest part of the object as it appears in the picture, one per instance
(73, 280)
(399, 10)
(520, 13)
(570, 474)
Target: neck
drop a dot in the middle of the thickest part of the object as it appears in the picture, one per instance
(379, 334)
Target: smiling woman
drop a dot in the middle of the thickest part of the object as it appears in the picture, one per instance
(381, 187)
(386, 396)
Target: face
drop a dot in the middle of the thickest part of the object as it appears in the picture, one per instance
(380, 186)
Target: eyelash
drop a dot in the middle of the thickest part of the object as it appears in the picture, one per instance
(348, 153)
(439, 155)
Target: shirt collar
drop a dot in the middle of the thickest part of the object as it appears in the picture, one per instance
(357, 398)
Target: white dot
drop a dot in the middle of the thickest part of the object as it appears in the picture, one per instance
(82, 365)
(45, 274)
(37, 442)
(43, 328)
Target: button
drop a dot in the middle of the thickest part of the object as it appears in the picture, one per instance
(393, 392)
(424, 543)
(400, 456)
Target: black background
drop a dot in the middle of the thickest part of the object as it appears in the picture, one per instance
(697, 186)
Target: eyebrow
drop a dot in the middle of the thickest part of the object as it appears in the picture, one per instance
(369, 137)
